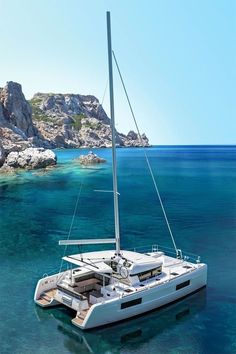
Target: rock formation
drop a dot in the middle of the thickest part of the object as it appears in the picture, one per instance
(2, 155)
(76, 121)
(18, 134)
(90, 159)
(16, 111)
(54, 121)
(30, 158)
(17, 130)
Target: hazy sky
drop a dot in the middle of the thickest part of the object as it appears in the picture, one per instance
(178, 59)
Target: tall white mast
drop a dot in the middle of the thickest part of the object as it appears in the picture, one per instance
(113, 133)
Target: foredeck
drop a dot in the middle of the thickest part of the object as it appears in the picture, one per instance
(171, 269)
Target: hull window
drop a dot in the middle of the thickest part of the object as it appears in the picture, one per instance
(124, 305)
(182, 285)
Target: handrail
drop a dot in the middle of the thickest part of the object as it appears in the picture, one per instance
(167, 250)
(60, 278)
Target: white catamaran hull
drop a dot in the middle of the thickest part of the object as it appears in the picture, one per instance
(120, 308)
(151, 298)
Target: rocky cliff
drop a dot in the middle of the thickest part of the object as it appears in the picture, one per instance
(16, 127)
(54, 120)
(76, 121)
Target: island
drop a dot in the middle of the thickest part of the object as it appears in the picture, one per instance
(50, 121)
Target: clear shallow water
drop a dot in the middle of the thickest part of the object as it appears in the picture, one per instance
(198, 186)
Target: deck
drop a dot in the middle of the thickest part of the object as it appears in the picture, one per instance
(79, 319)
(46, 297)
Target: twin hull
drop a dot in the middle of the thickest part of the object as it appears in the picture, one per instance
(149, 298)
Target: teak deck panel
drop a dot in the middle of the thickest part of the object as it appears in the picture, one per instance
(77, 321)
(46, 297)
(87, 282)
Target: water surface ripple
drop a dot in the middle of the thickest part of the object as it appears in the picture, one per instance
(198, 187)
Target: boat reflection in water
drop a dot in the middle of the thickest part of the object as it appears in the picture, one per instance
(129, 334)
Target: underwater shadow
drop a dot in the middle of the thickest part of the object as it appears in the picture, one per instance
(129, 334)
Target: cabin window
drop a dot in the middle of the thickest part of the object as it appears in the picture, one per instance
(149, 274)
(144, 275)
(126, 304)
(182, 285)
(156, 271)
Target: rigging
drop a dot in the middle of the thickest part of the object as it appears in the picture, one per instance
(146, 157)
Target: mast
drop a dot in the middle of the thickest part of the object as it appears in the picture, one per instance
(113, 133)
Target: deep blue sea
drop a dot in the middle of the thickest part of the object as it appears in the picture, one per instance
(198, 188)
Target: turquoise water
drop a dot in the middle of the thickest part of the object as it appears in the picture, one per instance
(198, 186)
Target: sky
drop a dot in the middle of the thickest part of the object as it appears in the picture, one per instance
(177, 58)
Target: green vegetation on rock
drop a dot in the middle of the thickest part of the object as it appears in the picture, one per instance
(37, 113)
(35, 101)
(93, 125)
(77, 121)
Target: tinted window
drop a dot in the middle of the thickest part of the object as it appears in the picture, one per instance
(124, 305)
(182, 285)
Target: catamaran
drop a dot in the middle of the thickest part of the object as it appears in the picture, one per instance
(108, 286)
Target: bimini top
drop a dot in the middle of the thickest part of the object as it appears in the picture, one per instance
(97, 261)
(97, 266)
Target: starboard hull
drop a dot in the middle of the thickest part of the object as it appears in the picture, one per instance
(144, 301)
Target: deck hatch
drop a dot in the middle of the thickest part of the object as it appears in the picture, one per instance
(182, 285)
(130, 303)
